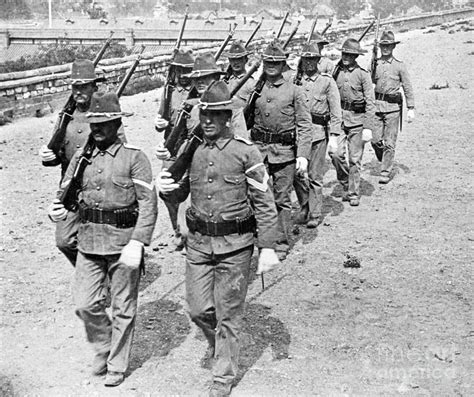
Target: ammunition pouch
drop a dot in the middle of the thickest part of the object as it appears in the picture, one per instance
(223, 228)
(354, 106)
(320, 119)
(122, 218)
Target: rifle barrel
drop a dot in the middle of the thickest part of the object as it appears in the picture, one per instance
(244, 79)
(366, 31)
(292, 34)
(282, 25)
(311, 31)
(181, 31)
(103, 49)
(253, 33)
(224, 44)
(129, 74)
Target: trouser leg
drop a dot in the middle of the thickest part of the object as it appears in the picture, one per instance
(316, 176)
(66, 236)
(89, 297)
(392, 121)
(378, 134)
(231, 281)
(124, 282)
(283, 176)
(300, 183)
(199, 279)
(339, 160)
(355, 148)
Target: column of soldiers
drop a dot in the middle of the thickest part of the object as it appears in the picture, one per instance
(237, 187)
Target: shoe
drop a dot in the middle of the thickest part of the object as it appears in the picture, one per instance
(384, 179)
(113, 378)
(345, 197)
(99, 366)
(354, 202)
(281, 255)
(313, 222)
(302, 217)
(219, 389)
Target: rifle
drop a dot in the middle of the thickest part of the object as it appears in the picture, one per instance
(373, 63)
(224, 44)
(299, 73)
(326, 28)
(292, 34)
(182, 162)
(282, 25)
(70, 193)
(65, 116)
(170, 79)
(337, 68)
(229, 71)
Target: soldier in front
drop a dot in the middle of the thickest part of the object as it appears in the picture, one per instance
(117, 211)
(230, 200)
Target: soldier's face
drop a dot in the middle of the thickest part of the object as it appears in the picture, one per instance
(215, 123)
(387, 49)
(310, 65)
(105, 133)
(201, 83)
(238, 64)
(183, 81)
(82, 93)
(273, 69)
(348, 59)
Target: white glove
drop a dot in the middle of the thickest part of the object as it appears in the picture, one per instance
(366, 135)
(131, 255)
(162, 153)
(410, 115)
(56, 211)
(46, 154)
(301, 165)
(160, 123)
(267, 260)
(332, 144)
(164, 183)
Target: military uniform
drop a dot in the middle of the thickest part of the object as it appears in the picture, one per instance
(358, 112)
(245, 91)
(390, 75)
(325, 66)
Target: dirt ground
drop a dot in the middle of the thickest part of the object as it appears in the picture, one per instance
(401, 324)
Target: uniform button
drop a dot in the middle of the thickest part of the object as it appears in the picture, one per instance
(211, 146)
(211, 163)
(98, 187)
(269, 100)
(99, 171)
(209, 197)
(267, 114)
(210, 180)
(79, 131)
(102, 153)
(78, 146)
(96, 204)
(211, 214)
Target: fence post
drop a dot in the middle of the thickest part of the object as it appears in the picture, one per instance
(4, 39)
(129, 38)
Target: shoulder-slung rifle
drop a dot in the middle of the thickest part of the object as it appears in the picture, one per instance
(299, 69)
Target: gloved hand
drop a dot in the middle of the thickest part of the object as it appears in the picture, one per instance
(56, 211)
(301, 165)
(162, 153)
(332, 144)
(411, 115)
(160, 123)
(132, 254)
(46, 154)
(267, 260)
(164, 183)
(366, 135)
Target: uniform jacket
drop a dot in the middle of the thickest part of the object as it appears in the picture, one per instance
(227, 179)
(244, 93)
(117, 178)
(354, 84)
(179, 95)
(325, 66)
(390, 75)
(282, 107)
(323, 99)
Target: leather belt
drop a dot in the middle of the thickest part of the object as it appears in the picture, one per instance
(390, 98)
(121, 218)
(320, 119)
(354, 106)
(223, 228)
(265, 136)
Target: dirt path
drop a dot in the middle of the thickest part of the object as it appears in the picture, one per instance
(399, 325)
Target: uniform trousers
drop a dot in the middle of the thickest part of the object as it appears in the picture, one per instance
(113, 335)
(348, 164)
(66, 236)
(386, 130)
(216, 286)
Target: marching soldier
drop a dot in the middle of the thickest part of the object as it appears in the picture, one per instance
(84, 83)
(324, 65)
(238, 57)
(325, 107)
(117, 212)
(181, 65)
(358, 112)
(282, 132)
(390, 75)
(230, 198)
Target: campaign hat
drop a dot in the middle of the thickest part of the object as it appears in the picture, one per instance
(83, 72)
(237, 50)
(204, 65)
(352, 46)
(387, 37)
(104, 107)
(216, 97)
(310, 51)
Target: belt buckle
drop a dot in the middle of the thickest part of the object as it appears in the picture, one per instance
(211, 228)
(100, 215)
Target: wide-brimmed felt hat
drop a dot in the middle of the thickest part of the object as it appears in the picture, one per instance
(237, 50)
(216, 97)
(274, 52)
(352, 46)
(83, 72)
(387, 37)
(104, 107)
(204, 65)
(310, 51)
(318, 39)
(183, 58)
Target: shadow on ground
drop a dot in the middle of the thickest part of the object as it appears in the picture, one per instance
(161, 326)
(152, 271)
